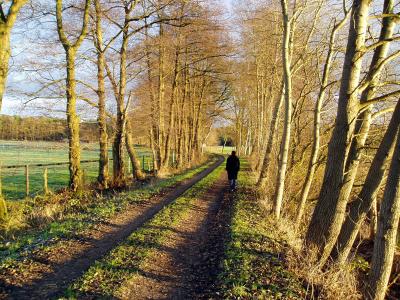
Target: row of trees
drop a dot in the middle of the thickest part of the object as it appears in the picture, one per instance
(159, 68)
(42, 129)
(299, 66)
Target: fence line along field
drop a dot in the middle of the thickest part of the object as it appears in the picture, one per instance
(15, 155)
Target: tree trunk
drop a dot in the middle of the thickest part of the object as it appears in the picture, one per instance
(364, 120)
(329, 211)
(286, 57)
(120, 130)
(136, 170)
(75, 171)
(362, 204)
(103, 175)
(373, 219)
(73, 125)
(161, 96)
(386, 236)
(262, 179)
(168, 138)
(6, 24)
(312, 165)
(4, 57)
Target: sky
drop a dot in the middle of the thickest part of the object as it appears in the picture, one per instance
(22, 50)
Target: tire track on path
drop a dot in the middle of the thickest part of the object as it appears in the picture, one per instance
(186, 265)
(81, 254)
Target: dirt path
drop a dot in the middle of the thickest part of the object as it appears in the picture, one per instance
(53, 273)
(187, 264)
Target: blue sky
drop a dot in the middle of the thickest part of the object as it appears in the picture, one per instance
(23, 50)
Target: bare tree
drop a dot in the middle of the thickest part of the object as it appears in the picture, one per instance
(103, 176)
(7, 21)
(329, 212)
(388, 224)
(317, 121)
(71, 49)
(359, 208)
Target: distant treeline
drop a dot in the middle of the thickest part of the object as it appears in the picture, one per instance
(42, 128)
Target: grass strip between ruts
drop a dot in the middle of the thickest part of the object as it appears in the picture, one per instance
(253, 266)
(83, 218)
(107, 276)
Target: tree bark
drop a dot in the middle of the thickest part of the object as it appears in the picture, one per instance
(262, 179)
(329, 212)
(120, 130)
(103, 175)
(312, 165)
(73, 125)
(136, 170)
(359, 208)
(287, 76)
(7, 22)
(171, 116)
(363, 122)
(74, 154)
(386, 236)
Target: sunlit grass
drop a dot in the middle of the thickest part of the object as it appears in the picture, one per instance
(23, 153)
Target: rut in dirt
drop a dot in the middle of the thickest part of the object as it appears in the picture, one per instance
(187, 264)
(53, 283)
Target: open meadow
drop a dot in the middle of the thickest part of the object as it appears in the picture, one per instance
(22, 153)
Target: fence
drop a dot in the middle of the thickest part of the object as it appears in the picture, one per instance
(19, 181)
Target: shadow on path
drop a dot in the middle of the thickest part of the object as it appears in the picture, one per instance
(54, 283)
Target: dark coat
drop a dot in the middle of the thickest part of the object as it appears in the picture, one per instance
(232, 166)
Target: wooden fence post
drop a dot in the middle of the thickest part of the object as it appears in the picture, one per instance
(1, 188)
(45, 182)
(143, 162)
(27, 180)
(3, 204)
(83, 178)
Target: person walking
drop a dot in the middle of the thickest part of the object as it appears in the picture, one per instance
(232, 167)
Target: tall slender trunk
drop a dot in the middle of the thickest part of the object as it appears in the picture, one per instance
(359, 208)
(161, 95)
(197, 123)
(286, 57)
(120, 124)
(171, 115)
(136, 170)
(364, 120)
(263, 177)
(312, 165)
(7, 22)
(154, 129)
(103, 175)
(74, 154)
(181, 122)
(329, 212)
(5, 53)
(386, 236)
(73, 125)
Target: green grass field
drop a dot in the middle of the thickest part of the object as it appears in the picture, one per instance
(26, 152)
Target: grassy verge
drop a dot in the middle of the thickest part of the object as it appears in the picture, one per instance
(107, 277)
(78, 215)
(253, 265)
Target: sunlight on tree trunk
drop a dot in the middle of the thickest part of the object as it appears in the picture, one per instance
(329, 211)
(72, 117)
(386, 236)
